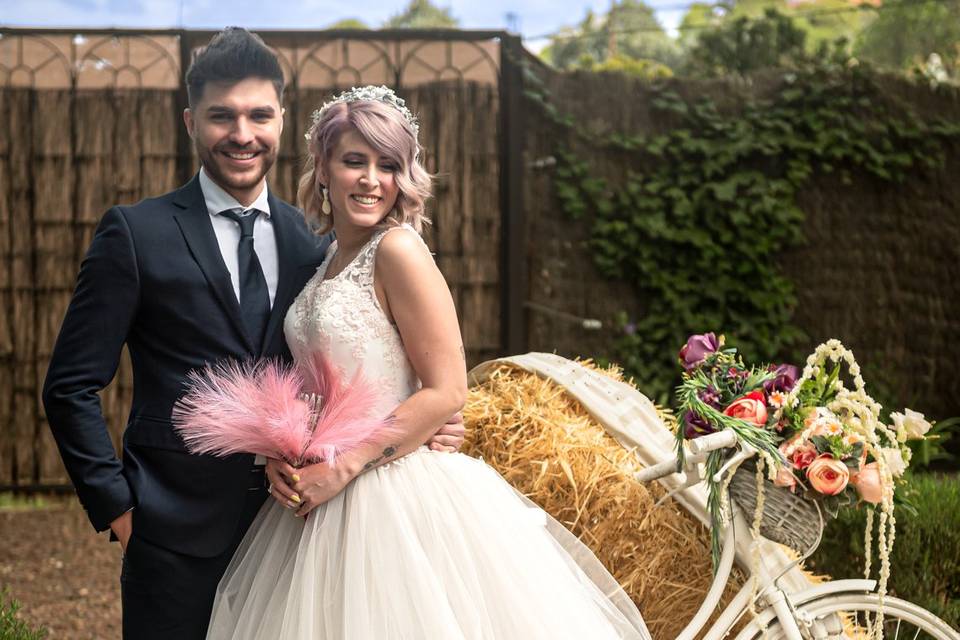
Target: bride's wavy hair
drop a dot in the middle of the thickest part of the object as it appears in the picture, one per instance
(389, 134)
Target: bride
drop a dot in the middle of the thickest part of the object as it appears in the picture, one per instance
(396, 541)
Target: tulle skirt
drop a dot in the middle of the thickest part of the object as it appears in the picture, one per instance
(432, 546)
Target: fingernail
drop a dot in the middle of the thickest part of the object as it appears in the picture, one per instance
(296, 477)
(295, 498)
(291, 504)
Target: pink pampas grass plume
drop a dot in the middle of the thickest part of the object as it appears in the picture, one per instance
(346, 418)
(300, 415)
(243, 408)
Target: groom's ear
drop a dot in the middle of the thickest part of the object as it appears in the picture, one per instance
(188, 121)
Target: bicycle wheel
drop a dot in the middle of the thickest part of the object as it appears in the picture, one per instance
(845, 616)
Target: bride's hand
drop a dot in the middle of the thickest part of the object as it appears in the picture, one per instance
(318, 483)
(449, 438)
(282, 477)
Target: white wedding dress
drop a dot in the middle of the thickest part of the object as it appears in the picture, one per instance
(433, 546)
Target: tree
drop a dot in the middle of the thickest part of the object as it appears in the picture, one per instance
(421, 14)
(630, 30)
(824, 22)
(744, 44)
(349, 23)
(699, 17)
(905, 33)
(828, 21)
(641, 68)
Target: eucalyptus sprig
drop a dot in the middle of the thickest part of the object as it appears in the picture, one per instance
(688, 395)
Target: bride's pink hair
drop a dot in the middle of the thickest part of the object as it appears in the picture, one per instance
(384, 129)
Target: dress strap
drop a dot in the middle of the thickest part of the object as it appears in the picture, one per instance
(366, 261)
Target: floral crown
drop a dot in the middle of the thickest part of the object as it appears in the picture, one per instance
(380, 94)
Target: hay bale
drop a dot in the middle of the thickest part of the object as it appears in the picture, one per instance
(547, 446)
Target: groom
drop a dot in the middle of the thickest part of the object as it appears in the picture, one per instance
(201, 274)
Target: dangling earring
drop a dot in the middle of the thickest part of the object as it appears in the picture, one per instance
(325, 205)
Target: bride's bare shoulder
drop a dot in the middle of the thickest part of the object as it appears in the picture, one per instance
(401, 248)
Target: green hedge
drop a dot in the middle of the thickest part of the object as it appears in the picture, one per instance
(13, 628)
(925, 565)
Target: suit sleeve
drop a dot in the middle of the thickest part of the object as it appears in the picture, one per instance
(85, 360)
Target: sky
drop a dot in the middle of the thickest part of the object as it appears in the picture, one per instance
(530, 17)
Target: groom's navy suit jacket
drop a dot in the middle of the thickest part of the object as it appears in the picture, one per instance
(154, 278)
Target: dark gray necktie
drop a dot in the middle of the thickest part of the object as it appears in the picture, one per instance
(254, 296)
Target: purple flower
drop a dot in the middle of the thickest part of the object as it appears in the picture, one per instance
(710, 396)
(785, 377)
(698, 347)
(695, 426)
(630, 328)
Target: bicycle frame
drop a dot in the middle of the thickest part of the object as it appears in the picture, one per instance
(772, 601)
(637, 426)
(779, 604)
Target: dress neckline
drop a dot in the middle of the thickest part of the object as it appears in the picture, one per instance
(335, 249)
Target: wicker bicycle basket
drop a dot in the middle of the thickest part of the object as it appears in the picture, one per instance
(787, 517)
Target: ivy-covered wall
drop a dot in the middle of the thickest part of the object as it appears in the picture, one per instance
(781, 210)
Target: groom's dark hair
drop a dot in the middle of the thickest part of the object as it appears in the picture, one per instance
(233, 55)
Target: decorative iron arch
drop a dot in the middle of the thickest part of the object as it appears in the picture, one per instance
(102, 62)
(20, 63)
(381, 55)
(412, 57)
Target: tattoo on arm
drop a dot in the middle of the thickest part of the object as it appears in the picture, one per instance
(388, 453)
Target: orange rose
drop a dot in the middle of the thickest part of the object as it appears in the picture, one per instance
(828, 475)
(868, 483)
(750, 408)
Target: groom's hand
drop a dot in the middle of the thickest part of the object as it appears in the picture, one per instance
(449, 437)
(122, 527)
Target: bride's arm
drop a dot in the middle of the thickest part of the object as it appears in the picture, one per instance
(415, 296)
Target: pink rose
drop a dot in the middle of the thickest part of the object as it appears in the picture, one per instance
(785, 478)
(868, 483)
(803, 455)
(828, 475)
(750, 408)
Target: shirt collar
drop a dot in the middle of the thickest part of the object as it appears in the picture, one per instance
(218, 200)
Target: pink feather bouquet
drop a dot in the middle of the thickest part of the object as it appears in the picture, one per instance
(302, 414)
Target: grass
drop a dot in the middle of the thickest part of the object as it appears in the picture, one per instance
(10, 501)
(11, 626)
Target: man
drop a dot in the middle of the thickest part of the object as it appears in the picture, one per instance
(198, 275)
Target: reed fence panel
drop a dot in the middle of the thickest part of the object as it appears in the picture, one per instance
(67, 155)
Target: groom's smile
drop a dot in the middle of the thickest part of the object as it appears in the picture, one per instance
(236, 130)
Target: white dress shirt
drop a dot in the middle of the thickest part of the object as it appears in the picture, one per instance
(228, 233)
(228, 237)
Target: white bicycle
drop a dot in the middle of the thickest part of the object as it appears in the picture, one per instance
(837, 609)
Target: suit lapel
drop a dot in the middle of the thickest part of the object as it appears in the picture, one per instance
(194, 222)
(290, 259)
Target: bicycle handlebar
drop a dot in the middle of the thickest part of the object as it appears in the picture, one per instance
(699, 448)
(719, 440)
(657, 471)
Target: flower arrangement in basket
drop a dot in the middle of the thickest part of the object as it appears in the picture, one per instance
(816, 442)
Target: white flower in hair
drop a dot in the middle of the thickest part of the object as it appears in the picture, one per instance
(381, 94)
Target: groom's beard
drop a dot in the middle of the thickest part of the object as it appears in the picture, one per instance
(219, 168)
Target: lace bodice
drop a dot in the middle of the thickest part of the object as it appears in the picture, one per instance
(342, 318)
